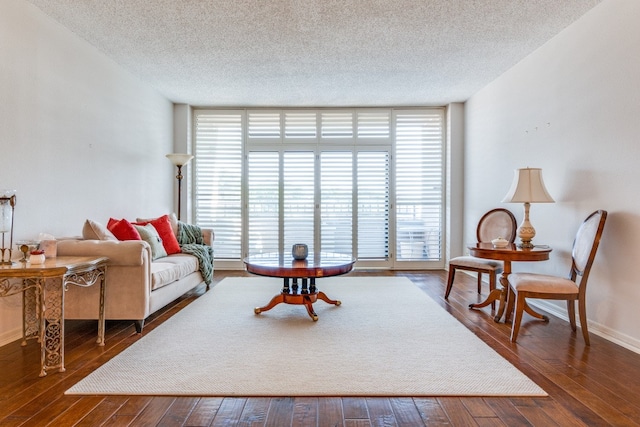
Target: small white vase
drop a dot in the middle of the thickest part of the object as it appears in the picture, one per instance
(37, 259)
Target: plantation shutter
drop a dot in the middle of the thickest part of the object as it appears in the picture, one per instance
(263, 125)
(419, 184)
(300, 126)
(336, 125)
(374, 125)
(218, 178)
(299, 199)
(366, 182)
(373, 205)
(263, 209)
(336, 201)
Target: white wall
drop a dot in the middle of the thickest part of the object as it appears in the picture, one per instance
(79, 136)
(572, 108)
(455, 180)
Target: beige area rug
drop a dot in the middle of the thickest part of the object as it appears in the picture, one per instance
(388, 338)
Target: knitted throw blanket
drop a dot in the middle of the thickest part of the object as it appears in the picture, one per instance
(192, 243)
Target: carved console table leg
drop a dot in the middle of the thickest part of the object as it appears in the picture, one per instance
(42, 287)
(52, 333)
(87, 279)
(31, 313)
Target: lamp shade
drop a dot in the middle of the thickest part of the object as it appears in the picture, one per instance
(528, 187)
(179, 159)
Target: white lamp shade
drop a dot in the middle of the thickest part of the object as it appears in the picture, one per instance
(528, 187)
(179, 159)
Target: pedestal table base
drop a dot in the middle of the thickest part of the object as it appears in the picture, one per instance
(304, 295)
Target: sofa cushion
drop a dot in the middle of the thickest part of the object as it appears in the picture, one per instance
(123, 229)
(93, 230)
(169, 240)
(173, 220)
(149, 234)
(172, 268)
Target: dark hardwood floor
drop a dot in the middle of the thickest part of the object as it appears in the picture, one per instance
(596, 386)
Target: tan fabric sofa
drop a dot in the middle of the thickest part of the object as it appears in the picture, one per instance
(136, 286)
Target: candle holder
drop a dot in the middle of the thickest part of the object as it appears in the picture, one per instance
(26, 247)
(7, 206)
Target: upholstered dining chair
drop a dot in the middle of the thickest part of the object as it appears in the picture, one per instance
(541, 286)
(496, 223)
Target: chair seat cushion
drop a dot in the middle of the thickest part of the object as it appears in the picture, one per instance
(542, 283)
(473, 262)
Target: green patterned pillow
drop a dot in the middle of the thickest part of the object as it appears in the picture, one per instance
(149, 234)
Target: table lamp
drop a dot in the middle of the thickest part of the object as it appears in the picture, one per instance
(179, 159)
(527, 188)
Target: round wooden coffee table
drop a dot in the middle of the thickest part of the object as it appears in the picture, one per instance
(299, 277)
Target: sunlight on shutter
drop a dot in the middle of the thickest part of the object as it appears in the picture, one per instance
(373, 205)
(263, 125)
(299, 126)
(336, 203)
(336, 125)
(218, 178)
(373, 124)
(299, 199)
(263, 208)
(419, 185)
(324, 177)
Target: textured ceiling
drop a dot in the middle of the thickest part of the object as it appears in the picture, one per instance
(316, 52)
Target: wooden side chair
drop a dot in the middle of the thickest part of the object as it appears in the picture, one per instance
(496, 223)
(530, 285)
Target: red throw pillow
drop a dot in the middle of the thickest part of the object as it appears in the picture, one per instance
(163, 227)
(123, 229)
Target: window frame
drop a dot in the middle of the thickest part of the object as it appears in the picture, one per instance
(318, 144)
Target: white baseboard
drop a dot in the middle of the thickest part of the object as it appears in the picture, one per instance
(595, 328)
(10, 336)
(602, 331)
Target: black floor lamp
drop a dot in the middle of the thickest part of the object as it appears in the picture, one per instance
(180, 160)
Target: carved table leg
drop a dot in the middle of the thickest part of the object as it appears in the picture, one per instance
(52, 333)
(494, 296)
(31, 313)
(498, 294)
(309, 305)
(274, 301)
(323, 297)
(504, 294)
(533, 313)
(86, 279)
(101, 321)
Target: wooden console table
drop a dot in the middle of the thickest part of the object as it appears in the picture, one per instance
(308, 270)
(42, 288)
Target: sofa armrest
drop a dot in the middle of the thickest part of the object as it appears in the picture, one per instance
(125, 252)
(208, 236)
